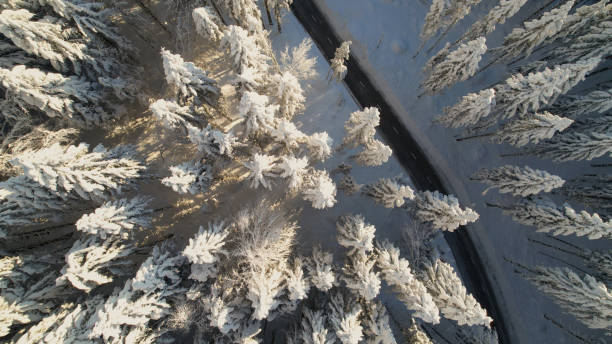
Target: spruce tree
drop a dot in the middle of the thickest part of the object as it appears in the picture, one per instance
(518, 181)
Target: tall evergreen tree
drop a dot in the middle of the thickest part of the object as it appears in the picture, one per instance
(518, 181)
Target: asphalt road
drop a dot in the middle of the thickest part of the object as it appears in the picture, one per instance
(408, 152)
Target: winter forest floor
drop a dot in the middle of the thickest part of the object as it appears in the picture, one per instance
(385, 35)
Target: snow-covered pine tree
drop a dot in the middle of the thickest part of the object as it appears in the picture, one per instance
(451, 297)
(320, 269)
(27, 290)
(298, 61)
(374, 153)
(188, 81)
(397, 273)
(469, 110)
(278, 6)
(294, 169)
(246, 14)
(118, 218)
(142, 299)
(344, 317)
(290, 94)
(531, 128)
(376, 324)
(207, 23)
(454, 11)
(583, 297)
(574, 145)
(433, 20)
(359, 275)
(204, 250)
(72, 99)
(171, 114)
(261, 167)
(456, 66)
(320, 190)
(518, 181)
(287, 134)
(91, 175)
(320, 145)
(388, 192)
(212, 142)
(415, 335)
(442, 211)
(257, 112)
(592, 190)
(598, 101)
(297, 284)
(533, 33)
(547, 217)
(189, 177)
(498, 15)
(355, 234)
(247, 58)
(92, 261)
(264, 291)
(520, 94)
(361, 127)
(337, 68)
(312, 329)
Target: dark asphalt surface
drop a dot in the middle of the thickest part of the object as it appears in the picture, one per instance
(408, 152)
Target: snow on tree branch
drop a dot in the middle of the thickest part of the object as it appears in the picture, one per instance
(361, 127)
(171, 114)
(344, 318)
(204, 249)
(450, 296)
(354, 234)
(320, 145)
(388, 192)
(458, 65)
(257, 112)
(297, 284)
(264, 289)
(518, 181)
(190, 177)
(469, 110)
(374, 153)
(574, 145)
(396, 272)
(207, 23)
(189, 80)
(531, 129)
(376, 324)
(598, 101)
(117, 218)
(547, 217)
(320, 190)
(360, 277)
(261, 167)
(583, 297)
(337, 67)
(498, 15)
(298, 62)
(442, 211)
(294, 169)
(290, 93)
(320, 269)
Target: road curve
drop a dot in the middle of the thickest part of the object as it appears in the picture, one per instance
(408, 152)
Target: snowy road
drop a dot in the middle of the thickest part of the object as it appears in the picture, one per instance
(409, 153)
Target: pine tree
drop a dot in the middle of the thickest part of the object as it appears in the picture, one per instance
(396, 272)
(211, 142)
(245, 13)
(433, 20)
(574, 145)
(518, 181)
(204, 250)
(416, 336)
(297, 284)
(287, 134)
(190, 82)
(91, 175)
(190, 177)
(583, 297)
(319, 145)
(355, 234)
(547, 217)
(520, 94)
(451, 297)
(376, 324)
(498, 15)
(118, 218)
(524, 40)
(454, 11)
(290, 94)
(264, 289)
(374, 153)
(359, 275)
(261, 166)
(319, 268)
(279, 6)
(598, 101)
(531, 129)
(298, 61)
(320, 190)
(388, 192)
(337, 64)
(73, 99)
(361, 127)
(592, 190)
(171, 114)
(258, 114)
(470, 110)
(457, 65)
(344, 318)
(207, 23)
(92, 261)
(442, 211)
(294, 169)
(247, 58)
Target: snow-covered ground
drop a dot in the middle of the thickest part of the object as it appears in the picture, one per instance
(385, 35)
